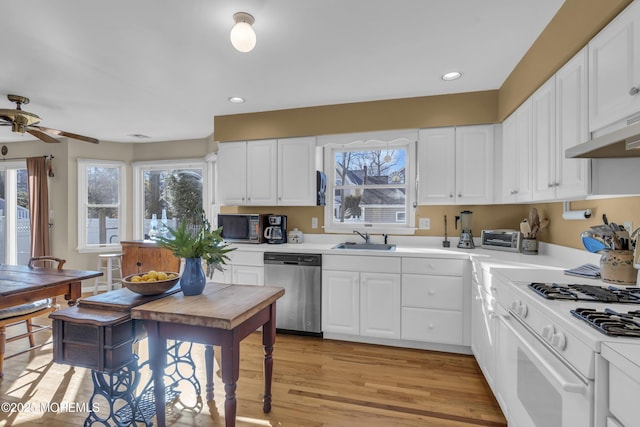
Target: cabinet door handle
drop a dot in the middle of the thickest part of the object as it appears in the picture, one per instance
(634, 91)
(450, 195)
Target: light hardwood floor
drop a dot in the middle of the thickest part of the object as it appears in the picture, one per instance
(316, 383)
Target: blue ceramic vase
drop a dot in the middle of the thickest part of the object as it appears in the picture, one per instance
(193, 279)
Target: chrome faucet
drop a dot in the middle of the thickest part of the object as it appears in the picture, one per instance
(365, 236)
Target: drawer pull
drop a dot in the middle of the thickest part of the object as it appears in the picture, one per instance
(634, 91)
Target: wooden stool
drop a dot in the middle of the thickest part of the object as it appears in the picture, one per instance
(108, 264)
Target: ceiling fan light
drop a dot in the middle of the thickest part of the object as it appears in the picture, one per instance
(242, 36)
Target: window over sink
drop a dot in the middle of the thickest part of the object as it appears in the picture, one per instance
(370, 182)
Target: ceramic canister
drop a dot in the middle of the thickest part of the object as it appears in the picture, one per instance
(617, 267)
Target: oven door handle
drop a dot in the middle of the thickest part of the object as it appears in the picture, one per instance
(569, 387)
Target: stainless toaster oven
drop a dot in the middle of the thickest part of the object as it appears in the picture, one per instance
(502, 240)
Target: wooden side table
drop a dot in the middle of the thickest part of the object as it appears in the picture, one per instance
(223, 315)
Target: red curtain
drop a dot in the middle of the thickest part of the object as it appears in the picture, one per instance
(38, 205)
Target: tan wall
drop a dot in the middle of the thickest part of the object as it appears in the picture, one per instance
(560, 231)
(420, 112)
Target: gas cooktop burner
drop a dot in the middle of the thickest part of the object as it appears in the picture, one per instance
(578, 292)
(610, 322)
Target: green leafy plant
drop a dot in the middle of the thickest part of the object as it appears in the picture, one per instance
(203, 243)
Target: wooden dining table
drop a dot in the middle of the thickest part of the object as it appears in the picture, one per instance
(222, 315)
(21, 284)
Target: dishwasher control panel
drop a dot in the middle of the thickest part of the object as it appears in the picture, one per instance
(293, 259)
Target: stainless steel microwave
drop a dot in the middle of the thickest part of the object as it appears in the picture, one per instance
(242, 228)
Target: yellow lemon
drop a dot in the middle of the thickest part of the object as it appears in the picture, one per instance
(136, 279)
(152, 273)
(162, 276)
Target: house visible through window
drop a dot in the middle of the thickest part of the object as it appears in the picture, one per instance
(100, 204)
(370, 183)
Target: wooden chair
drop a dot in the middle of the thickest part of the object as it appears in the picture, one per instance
(24, 314)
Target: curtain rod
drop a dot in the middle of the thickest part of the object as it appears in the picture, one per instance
(48, 156)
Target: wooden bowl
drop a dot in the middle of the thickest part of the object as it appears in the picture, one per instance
(150, 288)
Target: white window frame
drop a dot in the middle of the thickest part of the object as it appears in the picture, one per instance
(138, 184)
(371, 141)
(83, 188)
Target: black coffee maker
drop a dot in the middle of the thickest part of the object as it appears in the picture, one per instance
(275, 231)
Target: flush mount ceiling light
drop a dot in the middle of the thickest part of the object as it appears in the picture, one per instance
(243, 38)
(236, 99)
(451, 76)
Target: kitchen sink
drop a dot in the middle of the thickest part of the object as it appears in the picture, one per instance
(365, 246)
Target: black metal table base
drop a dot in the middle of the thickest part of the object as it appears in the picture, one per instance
(118, 390)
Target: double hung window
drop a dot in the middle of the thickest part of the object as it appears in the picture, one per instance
(100, 204)
(370, 182)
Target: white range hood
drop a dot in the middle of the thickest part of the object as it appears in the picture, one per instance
(623, 142)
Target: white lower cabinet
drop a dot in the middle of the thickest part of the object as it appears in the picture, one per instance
(620, 378)
(361, 296)
(243, 268)
(341, 302)
(433, 301)
(380, 305)
(483, 332)
(369, 297)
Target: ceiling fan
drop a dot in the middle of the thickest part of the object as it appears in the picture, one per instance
(24, 121)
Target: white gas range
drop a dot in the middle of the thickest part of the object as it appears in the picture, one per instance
(550, 371)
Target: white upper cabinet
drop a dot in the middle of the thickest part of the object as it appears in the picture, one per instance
(436, 166)
(261, 172)
(267, 172)
(572, 175)
(232, 173)
(614, 70)
(296, 171)
(455, 165)
(543, 106)
(517, 155)
(474, 164)
(537, 134)
(247, 172)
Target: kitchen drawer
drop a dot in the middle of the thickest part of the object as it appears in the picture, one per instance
(426, 291)
(241, 257)
(441, 266)
(370, 264)
(621, 387)
(434, 326)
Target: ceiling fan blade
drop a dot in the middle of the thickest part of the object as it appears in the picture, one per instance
(67, 134)
(43, 136)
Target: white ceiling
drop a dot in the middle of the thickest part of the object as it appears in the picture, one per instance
(163, 68)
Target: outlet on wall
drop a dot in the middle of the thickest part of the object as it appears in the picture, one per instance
(628, 225)
(424, 223)
(314, 222)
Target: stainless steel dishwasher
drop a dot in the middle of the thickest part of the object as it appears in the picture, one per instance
(299, 310)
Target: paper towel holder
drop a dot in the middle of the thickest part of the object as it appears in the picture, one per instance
(567, 213)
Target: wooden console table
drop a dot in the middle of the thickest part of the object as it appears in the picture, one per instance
(223, 315)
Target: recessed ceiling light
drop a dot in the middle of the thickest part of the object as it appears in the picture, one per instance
(451, 76)
(236, 99)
